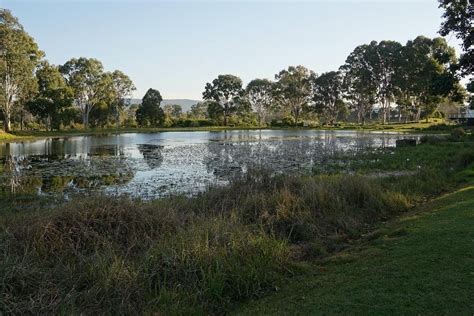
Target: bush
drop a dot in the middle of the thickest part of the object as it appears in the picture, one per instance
(458, 133)
(432, 139)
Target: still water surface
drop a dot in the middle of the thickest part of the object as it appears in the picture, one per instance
(156, 164)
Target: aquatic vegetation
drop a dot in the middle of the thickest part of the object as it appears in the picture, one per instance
(201, 254)
(155, 165)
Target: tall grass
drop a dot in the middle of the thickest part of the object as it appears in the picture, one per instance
(193, 255)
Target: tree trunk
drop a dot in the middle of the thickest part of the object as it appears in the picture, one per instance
(7, 123)
(21, 120)
(85, 119)
(225, 119)
(117, 119)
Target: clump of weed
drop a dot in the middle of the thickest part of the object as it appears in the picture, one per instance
(457, 133)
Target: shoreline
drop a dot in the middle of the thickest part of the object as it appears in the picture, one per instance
(409, 128)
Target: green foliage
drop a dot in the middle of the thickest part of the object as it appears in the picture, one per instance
(292, 90)
(53, 98)
(328, 96)
(259, 93)
(226, 92)
(458, 17)
(89, 83)
(149, 113)
(18, 60)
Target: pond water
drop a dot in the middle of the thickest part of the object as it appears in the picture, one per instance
(150, 165)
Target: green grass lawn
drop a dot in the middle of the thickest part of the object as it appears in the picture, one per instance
(420, 264)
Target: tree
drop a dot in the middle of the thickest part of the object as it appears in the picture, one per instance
(173, 110)
(458, 18)
(328, 95)
(150, 112)
(359, 83)
(384, 57)
(19, 56)
(85, 77)
(424, 75)
(199, 110)
(225, 90)
(53, 97)
(104, 109)
(259, 93)
(292, 89)
(122, 87)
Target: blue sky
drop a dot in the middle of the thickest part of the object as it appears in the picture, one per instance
(176, 47)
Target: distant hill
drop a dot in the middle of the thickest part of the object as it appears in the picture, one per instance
(185, 103)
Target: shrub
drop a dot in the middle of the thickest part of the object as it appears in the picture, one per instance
(432, 139)
(458, 133)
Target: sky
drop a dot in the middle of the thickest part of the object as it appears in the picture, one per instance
(178, 46)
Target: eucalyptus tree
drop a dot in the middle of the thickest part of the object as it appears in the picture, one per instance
(86, 77)
(259, 93)
(173, 110)
(384, 57)
(122, 87)
(226, 91)
(424, 75)
(199, 110)
(53, 96)
(328, 95)
(149, 111)
(360, 87)
(292, 90)
(19, 56)
(104, 110)
(458, 19)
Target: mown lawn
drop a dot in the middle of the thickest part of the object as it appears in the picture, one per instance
(420, 264)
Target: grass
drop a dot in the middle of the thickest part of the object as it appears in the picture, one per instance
(205, 254)
(421, 263)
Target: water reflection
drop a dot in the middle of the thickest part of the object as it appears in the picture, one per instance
(157, 164)
(151, 154)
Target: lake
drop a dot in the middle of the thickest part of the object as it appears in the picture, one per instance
(150, 165)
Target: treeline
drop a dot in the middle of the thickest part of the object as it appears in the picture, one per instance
(378, 81)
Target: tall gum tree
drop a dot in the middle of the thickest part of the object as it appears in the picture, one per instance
(122, 87)
(359, 83)
(19, 56)
(259, 93)
(458, 19)
(293, 90)
(226, 91)
(85, 77)
(53, 96)
(425, 75)
(328, 95)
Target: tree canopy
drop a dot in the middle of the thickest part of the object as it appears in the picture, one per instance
(149, 112)
(226, 91)
(293, 90)
(259, 93)
(19, 56)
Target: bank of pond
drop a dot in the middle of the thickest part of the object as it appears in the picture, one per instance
(205, 252)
